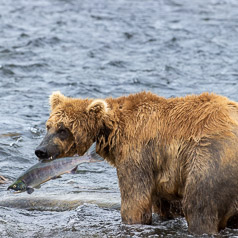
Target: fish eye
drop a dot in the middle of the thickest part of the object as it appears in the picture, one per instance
(14, 186)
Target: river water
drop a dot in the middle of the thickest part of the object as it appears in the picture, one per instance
(99, 48)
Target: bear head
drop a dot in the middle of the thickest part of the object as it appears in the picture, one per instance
(72, 127)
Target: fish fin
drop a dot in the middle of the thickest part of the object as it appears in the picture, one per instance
(74, 170)
(37, 187)
(94, 157)
(55, 177)
(30, 190)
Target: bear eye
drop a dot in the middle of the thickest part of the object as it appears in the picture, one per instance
(62, 133)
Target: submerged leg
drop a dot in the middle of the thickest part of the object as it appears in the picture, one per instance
(233, 222)
(167, 209)
(208, 205)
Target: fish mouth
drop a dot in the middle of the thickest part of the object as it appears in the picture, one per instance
(15, 191)
(10, 187)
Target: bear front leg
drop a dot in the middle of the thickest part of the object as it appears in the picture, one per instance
(136, 185)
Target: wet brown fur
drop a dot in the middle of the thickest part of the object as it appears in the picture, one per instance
(176, 156)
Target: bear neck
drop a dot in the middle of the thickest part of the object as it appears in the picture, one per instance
(122, 126)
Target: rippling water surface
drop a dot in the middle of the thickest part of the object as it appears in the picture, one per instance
(99, 49)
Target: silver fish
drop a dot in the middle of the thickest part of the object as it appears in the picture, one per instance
(45, 171)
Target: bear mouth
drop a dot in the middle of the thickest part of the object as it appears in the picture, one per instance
(51, 158)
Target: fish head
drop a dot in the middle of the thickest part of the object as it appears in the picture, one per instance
(18, 186)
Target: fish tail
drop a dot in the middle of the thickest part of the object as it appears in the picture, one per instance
(92, 153)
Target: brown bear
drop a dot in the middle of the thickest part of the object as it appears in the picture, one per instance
(176, 156)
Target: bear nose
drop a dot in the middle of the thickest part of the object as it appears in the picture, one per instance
(41, 153)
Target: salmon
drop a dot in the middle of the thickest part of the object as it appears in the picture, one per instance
(47, 170)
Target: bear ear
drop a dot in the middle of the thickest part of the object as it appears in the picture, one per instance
(98, 107)
(56, 98)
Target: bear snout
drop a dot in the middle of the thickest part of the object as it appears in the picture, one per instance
(41, 152)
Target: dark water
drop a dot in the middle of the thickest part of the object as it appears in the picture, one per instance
(100, 49)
